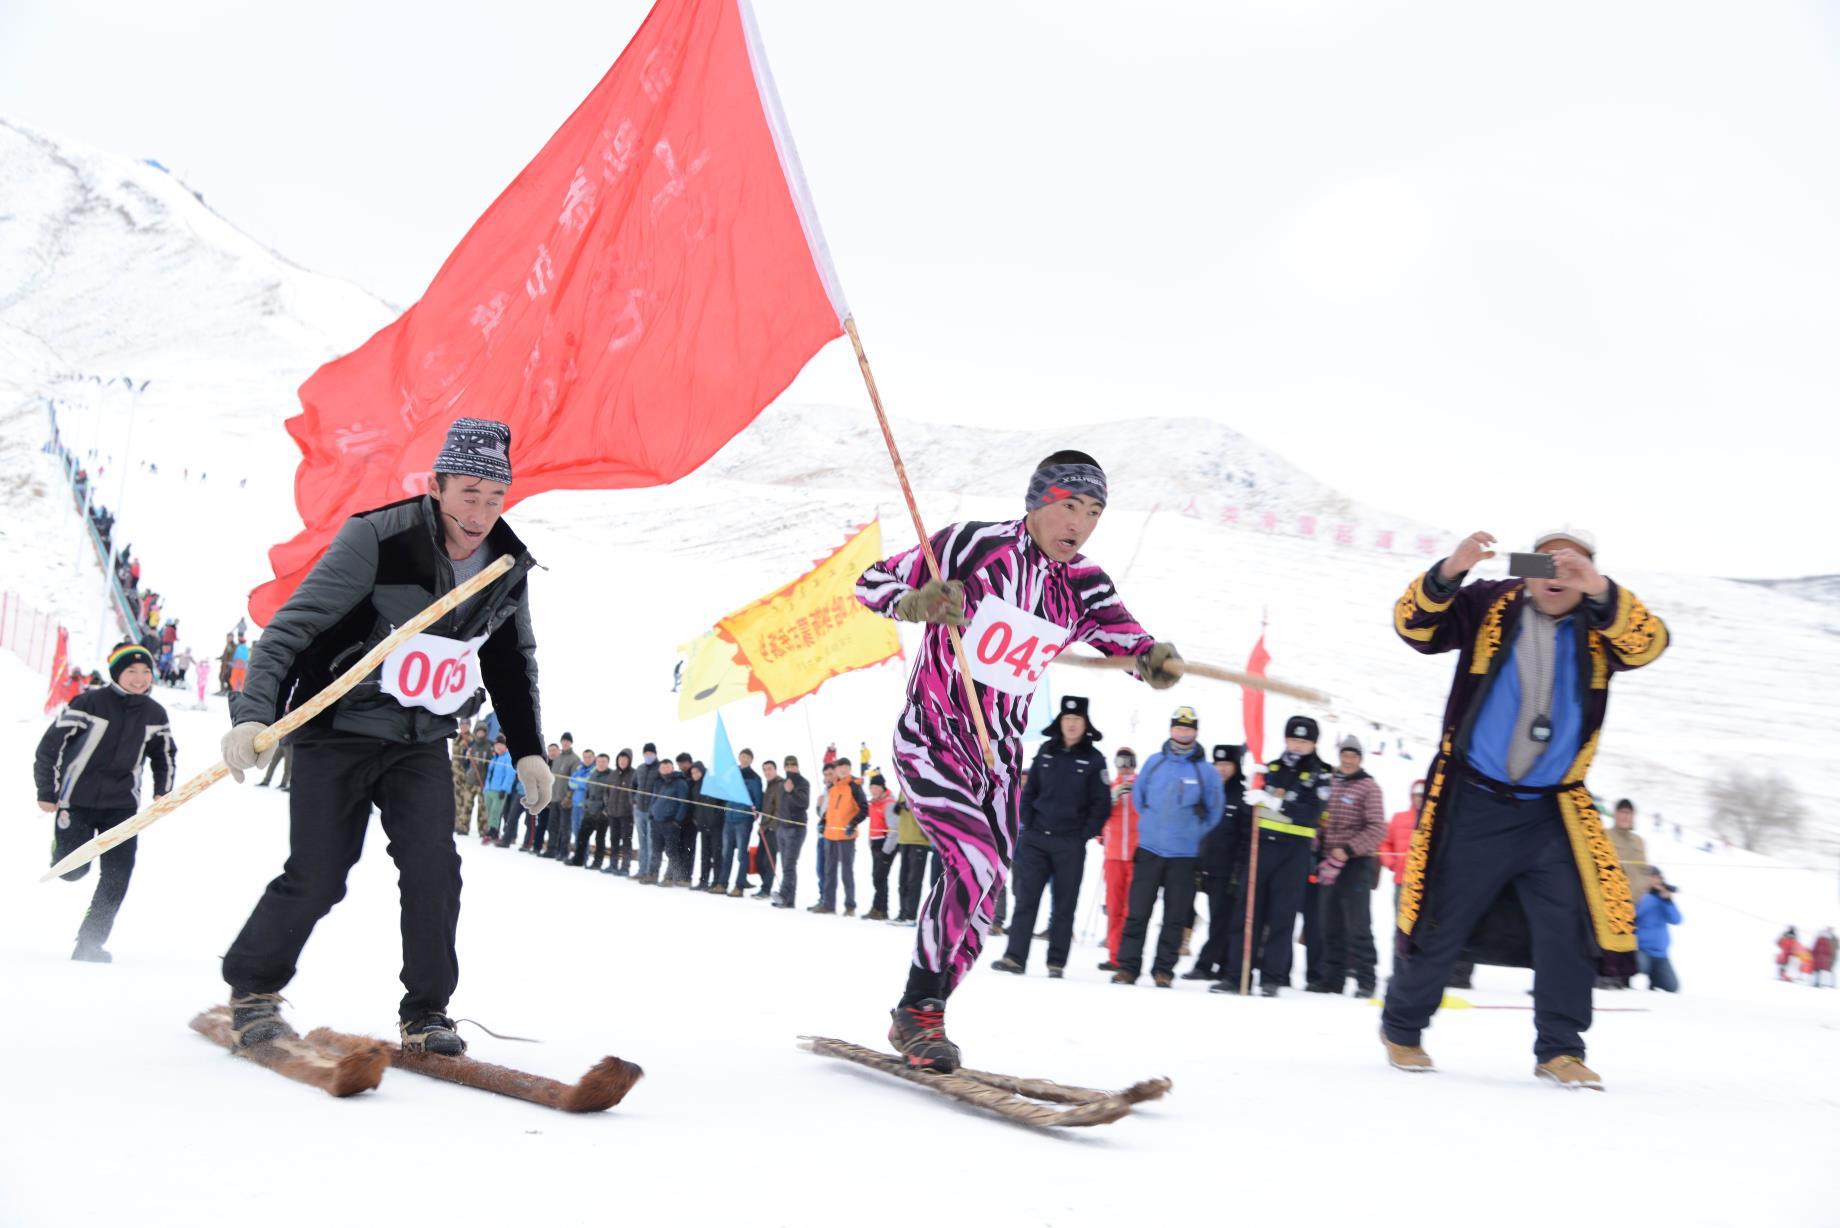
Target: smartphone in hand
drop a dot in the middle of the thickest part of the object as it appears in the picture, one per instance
(1532, 566)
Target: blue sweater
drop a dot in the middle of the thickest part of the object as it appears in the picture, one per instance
(500, 774)
(1167, 792)
(1653, 916)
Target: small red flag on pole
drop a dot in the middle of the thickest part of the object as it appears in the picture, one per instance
(645, 286)
(1252, 700)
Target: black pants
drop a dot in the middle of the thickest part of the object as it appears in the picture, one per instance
(508, 821)
(1224, 904)
(595, 829)
(1175, 878)
(620, 836)
(1040, 860)
(1489, 845)
(1284, 871)
(341, 777)
(117, 867)
(1346, 912)
(1313, 945)
(709, 838)
(913, 877)
(880, 864)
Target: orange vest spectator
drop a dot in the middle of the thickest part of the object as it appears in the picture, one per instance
(842, 805)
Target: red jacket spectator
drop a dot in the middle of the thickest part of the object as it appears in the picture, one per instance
(1398, 840)
(878, 817)
(1120, 834)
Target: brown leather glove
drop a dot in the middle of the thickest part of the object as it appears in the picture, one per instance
(1154, 666)
(937, 601)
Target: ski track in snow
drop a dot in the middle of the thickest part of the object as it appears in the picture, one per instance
(110, 269)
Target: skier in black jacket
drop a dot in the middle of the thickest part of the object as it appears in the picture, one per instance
(1297, 788)
(383, 743)
(1064, 805)
(88, 773)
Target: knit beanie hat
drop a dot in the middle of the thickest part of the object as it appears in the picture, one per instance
(125, 655)
(477, 448)
(1055, 480)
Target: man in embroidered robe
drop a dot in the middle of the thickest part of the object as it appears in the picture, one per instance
(1510, 863)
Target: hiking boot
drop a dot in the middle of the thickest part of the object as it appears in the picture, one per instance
(919, 1035)
(1410, 1058)
(822, 911)
(876, 914)
(432, 1033)
(1055, 974)
(255, 1018)
(1006, 964)
(1569, 1071)
(849, 910)
(1124, 976)
(91, 953)
(1198, 973)
(735, 893)
(1164, 980)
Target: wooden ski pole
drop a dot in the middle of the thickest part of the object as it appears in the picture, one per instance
(123, 832)
(1198, 669)
(1252, 889)
(926, 543)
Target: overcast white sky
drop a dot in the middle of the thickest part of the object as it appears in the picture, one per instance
(1489, 265)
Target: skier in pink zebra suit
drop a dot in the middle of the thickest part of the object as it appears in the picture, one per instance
(1021, 592)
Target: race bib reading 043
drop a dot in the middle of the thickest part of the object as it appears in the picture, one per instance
(433, 672)
(1010, 647)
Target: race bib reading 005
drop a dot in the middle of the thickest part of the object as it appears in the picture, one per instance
(433, 672)
(1010, 647)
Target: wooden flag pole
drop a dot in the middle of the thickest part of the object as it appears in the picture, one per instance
(123, 832)
(926, 543)
(1197, 669)
(1252, 887)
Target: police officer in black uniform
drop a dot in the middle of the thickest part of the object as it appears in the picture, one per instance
(1064, 805)
(1297, 788)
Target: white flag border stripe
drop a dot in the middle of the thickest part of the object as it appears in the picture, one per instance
(789, 162)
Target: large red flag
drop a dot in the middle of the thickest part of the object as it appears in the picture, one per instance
(630, 303)
(1252, 702)
(63, 687)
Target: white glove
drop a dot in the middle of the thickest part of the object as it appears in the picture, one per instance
(239, 747)
(1257, 797)
(534, 774)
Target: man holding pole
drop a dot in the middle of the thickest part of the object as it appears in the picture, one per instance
(1023, 592)
(382, 743)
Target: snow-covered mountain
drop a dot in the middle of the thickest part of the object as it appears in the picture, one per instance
(112, 273)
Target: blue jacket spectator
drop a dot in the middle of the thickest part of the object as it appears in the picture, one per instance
(500, 774)
(1180, 799)
(1653, 917)
(672, 798)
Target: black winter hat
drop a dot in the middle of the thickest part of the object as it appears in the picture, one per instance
(650, 748)
(567, 737)
(1072, 705)
(878, 779)
(1304, 727)
(1227, 752)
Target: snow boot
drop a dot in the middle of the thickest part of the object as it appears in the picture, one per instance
(91, 953)
(1164, 980)
(1410, 1058)
(1268, 991)
(256, 1018)
(1006, 964)
(1569, 1071)
(1199, 973)
(1108, 966)
(432, 1033)
(919, 1035)
(1224, 987)
(1055, 974)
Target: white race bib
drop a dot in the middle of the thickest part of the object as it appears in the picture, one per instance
(433, 672)
(1010, 647)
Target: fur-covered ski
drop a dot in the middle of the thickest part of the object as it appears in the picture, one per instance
(1030, 1102)
(601, 1088)
(357, 1068)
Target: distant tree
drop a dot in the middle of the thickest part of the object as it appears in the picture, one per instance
(1756, 810)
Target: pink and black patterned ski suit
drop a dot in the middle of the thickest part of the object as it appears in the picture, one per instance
(969, 811)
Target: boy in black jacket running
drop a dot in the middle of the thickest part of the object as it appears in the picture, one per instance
(88, 773)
